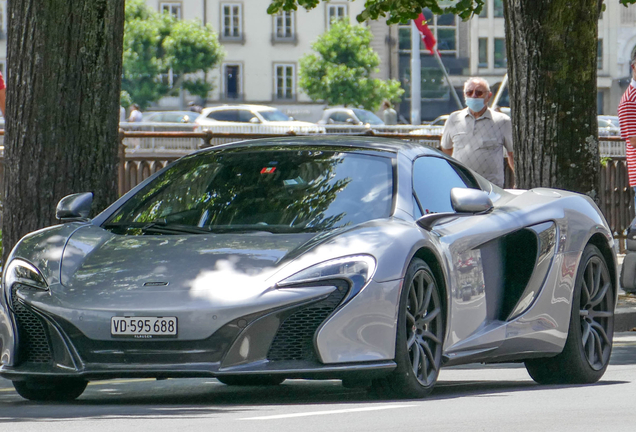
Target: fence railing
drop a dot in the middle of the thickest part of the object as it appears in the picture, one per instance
(138, 160)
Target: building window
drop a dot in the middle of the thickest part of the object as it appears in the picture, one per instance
(336, 12)
(284, 25)
(284, 78)
(599, 55)
(444, 28)
(231, 21)
(172, 8)
(232, 81)
(484, 10)
(498, 9)
(501, 61)
(483, 53)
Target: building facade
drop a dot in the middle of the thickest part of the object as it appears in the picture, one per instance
(262, 52)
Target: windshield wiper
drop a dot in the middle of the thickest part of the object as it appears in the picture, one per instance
(160, 227)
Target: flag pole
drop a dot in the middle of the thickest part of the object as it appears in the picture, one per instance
(416, 76)
(450, 85)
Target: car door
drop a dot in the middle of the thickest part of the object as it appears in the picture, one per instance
(489, 257)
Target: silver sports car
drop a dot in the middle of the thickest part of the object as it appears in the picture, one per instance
(372, 261)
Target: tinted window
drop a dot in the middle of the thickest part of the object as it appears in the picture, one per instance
(224, 115)
(368, 117)
(433, 179)
(244, 116)
(284, 190)
(274, 115)
(340, 117)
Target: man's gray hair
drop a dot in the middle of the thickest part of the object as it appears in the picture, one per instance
(477, 80)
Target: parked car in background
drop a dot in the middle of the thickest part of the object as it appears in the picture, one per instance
(349, 116)
(607, 128)
(170, 116)
(261, 118)
(439, 121)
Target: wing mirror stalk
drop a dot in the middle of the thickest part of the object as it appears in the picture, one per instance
(465, 202)
(74, 208)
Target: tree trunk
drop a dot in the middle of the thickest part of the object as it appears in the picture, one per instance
(552, 57)
(63, 82)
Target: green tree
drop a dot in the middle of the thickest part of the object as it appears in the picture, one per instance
(156, 44)
(551, 49)
(340, 72)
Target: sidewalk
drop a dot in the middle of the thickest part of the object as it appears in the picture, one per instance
(625, 317)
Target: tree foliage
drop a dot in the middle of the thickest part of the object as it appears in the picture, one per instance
(340, 71)
(396, 10)
(157, 43)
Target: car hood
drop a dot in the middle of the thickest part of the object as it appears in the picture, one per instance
(95, 259)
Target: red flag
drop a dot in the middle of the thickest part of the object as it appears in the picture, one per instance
(427, 34)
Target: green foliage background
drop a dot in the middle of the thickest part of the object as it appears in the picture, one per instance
(155, 43)
(340, 71)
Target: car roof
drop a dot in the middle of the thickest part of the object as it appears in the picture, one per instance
(245, 106)
(410, 149)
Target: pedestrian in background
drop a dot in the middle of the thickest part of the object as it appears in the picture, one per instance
(390, 115)
(476, 135)
(135, 114)
(3, 95)
(195, 107)
(627, 123)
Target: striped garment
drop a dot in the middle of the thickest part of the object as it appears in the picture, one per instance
(627, 121)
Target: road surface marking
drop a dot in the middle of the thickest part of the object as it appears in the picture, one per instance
(316, 413)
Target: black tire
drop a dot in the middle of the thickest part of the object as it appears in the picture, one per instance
(238, 380)
(57, 390)
(589, 343)
(420, 334)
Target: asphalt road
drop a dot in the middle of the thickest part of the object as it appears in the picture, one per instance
(469, 398)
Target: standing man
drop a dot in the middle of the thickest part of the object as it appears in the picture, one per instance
(476, 135)
(627, 122)
(389, 114)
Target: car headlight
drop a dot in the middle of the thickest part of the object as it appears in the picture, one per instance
(24, 273)
(357, 269)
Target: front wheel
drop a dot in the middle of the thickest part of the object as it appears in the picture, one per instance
(589, 343)
(418, 351)
(54, 390)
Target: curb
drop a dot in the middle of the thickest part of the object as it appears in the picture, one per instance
(625, 319)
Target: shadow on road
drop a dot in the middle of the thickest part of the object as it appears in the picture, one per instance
(194, 398)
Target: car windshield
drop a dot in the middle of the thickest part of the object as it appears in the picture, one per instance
(368, 117)
(274, 115)
(276, 191)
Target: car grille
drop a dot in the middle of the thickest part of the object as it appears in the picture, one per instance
(34, 344)
(295, 337)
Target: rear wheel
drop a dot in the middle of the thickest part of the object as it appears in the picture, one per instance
(589, 343)
(58, 390)
(237, 380)
(418, 351)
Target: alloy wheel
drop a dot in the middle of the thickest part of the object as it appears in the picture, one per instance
(424, 327)
(596, 312)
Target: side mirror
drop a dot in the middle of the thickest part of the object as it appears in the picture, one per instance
(254, 120)
(292, 119)
(74, 208)
(465, 202)
(350, 121)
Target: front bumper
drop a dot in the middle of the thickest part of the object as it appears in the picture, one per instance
(280, 341)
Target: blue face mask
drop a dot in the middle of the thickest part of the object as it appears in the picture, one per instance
(475, 104)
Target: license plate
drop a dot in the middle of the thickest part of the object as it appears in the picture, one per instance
(143, 327)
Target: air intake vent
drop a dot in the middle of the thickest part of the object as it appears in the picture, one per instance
(34, 344)
(295, 337)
